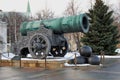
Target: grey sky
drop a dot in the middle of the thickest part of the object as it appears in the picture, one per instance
(57, 6)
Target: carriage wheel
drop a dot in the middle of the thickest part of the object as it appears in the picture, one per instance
(39, 46)
(59, 51)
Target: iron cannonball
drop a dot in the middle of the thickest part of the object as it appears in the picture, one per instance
(79, 60)
(94, 60)
(86, 51)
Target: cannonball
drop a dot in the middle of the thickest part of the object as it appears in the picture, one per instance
(86, 51)
(94, 60)
(79, 60)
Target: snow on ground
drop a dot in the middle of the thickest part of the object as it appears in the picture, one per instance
(68, 56)
(72, 65)
(116, 56)
(66, 64)
(7, 56)
(71, 55)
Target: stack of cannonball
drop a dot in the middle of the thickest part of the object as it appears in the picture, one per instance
(86, 57)
(86, 52)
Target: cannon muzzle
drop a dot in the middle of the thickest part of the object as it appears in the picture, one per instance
(76, 23)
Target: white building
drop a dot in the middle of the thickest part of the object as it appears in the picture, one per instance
(3, 36)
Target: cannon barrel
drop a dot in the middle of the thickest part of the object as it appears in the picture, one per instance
(76, 23)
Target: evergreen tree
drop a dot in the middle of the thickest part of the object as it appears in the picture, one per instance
(103, 35)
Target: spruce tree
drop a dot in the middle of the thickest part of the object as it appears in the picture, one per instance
(103, 35)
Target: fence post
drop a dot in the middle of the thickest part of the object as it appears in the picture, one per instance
(102, 57)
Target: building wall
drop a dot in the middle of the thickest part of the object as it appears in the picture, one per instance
(3, 35)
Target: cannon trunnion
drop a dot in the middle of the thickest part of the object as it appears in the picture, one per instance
(42, 38)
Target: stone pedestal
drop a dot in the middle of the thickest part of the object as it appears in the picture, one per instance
(50, 64)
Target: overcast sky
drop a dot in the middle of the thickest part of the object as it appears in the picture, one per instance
(57, 6)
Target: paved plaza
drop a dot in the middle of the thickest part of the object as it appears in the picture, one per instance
(110, 71)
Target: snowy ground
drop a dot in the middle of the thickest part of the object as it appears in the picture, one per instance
(116, 56)
(7, 56)
(69, 55)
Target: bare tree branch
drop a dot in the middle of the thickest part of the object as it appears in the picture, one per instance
(44, 14)
(72, 8)
(13, 19)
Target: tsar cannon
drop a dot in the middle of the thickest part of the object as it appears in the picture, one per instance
(45, 37)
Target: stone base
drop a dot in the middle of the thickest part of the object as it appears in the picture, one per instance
(50, 64)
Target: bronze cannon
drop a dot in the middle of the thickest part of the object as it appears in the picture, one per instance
(45, 37)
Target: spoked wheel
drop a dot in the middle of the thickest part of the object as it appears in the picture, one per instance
(59, 51)
(39, 46)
